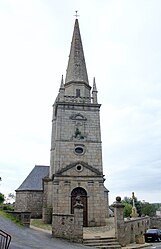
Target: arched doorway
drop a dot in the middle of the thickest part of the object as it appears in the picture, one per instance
(83, 196)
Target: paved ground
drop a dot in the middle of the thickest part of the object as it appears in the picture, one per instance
(29, 238)
(102, 232)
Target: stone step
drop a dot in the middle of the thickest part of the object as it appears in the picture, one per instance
(106, 246)
(109, 239)
(103, 243)
(100, 242)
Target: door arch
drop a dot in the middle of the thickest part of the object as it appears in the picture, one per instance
(83, 196)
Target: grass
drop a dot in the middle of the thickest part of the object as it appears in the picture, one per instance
(39, 223)
(34, 222)
(10, 217)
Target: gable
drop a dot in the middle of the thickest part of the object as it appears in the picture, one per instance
(77, 116)
(78, 169)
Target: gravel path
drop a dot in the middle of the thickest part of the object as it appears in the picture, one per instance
(28, 238)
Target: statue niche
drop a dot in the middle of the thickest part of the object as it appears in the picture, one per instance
(78, 134)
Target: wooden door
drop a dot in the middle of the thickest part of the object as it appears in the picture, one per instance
(83, 197)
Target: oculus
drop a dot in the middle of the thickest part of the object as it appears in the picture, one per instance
(79, 150)
(79, 167)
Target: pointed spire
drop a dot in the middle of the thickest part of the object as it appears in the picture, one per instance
(76, 70)
(62, 83)
(61, 90)
(94, 91)
(94, 85)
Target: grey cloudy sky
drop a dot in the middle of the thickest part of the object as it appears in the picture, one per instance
(122, 46)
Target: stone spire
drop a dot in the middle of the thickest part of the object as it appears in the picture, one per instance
(62, 83)
(94, 91)
(61, 90)
(76, 70)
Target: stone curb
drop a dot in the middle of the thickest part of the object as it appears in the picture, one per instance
(135, 246)
(41, 229)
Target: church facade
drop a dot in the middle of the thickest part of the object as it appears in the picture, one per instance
(76, 148)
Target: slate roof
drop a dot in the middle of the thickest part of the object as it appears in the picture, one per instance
(34, 180)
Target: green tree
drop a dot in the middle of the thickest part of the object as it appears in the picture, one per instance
(149, 209)
(138, 204)
(127, 209)
(1, 198)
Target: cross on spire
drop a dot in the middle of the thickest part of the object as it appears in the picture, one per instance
(76, 14)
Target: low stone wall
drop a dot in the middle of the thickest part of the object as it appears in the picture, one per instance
(69, 226)
(24, 217)
(135, 228)
(155, 222)
(129, 231)
(63, 226)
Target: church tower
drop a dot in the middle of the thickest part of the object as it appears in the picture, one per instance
(76, 148)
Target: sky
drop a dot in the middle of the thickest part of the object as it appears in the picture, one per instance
(122, 46)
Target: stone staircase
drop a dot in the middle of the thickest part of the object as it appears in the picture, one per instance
(102, 243)
(101, 237)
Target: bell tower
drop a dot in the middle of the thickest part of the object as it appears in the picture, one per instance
(76, 147)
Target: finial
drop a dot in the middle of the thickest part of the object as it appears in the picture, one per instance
(94, 85)
(76, 15)
(62, 82)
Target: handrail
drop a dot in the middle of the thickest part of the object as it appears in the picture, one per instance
(5, 240)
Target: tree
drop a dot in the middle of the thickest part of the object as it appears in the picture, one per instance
(1, 198)
(149, 209)
(129, 200)
(127, 209)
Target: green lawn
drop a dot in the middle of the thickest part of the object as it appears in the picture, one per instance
(10, 217)
(39, 223)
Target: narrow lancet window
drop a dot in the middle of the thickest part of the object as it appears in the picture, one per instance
(77, 93)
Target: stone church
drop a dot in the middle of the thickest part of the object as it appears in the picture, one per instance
(76, 151)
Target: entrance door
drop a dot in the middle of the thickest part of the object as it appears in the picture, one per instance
(83, 196)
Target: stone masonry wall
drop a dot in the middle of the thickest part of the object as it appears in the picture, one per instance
(155, 222)
(63, 226)
(129, 231)
(30, 201)
(47, 201)
(69, 226)
(135, 228)
(62, 152)
(96, 200)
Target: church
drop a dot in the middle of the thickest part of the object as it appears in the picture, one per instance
(76, 151)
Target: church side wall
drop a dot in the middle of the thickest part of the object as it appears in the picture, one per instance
(30, 201)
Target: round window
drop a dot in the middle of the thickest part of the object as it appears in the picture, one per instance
(79, 150)
(79, 167)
